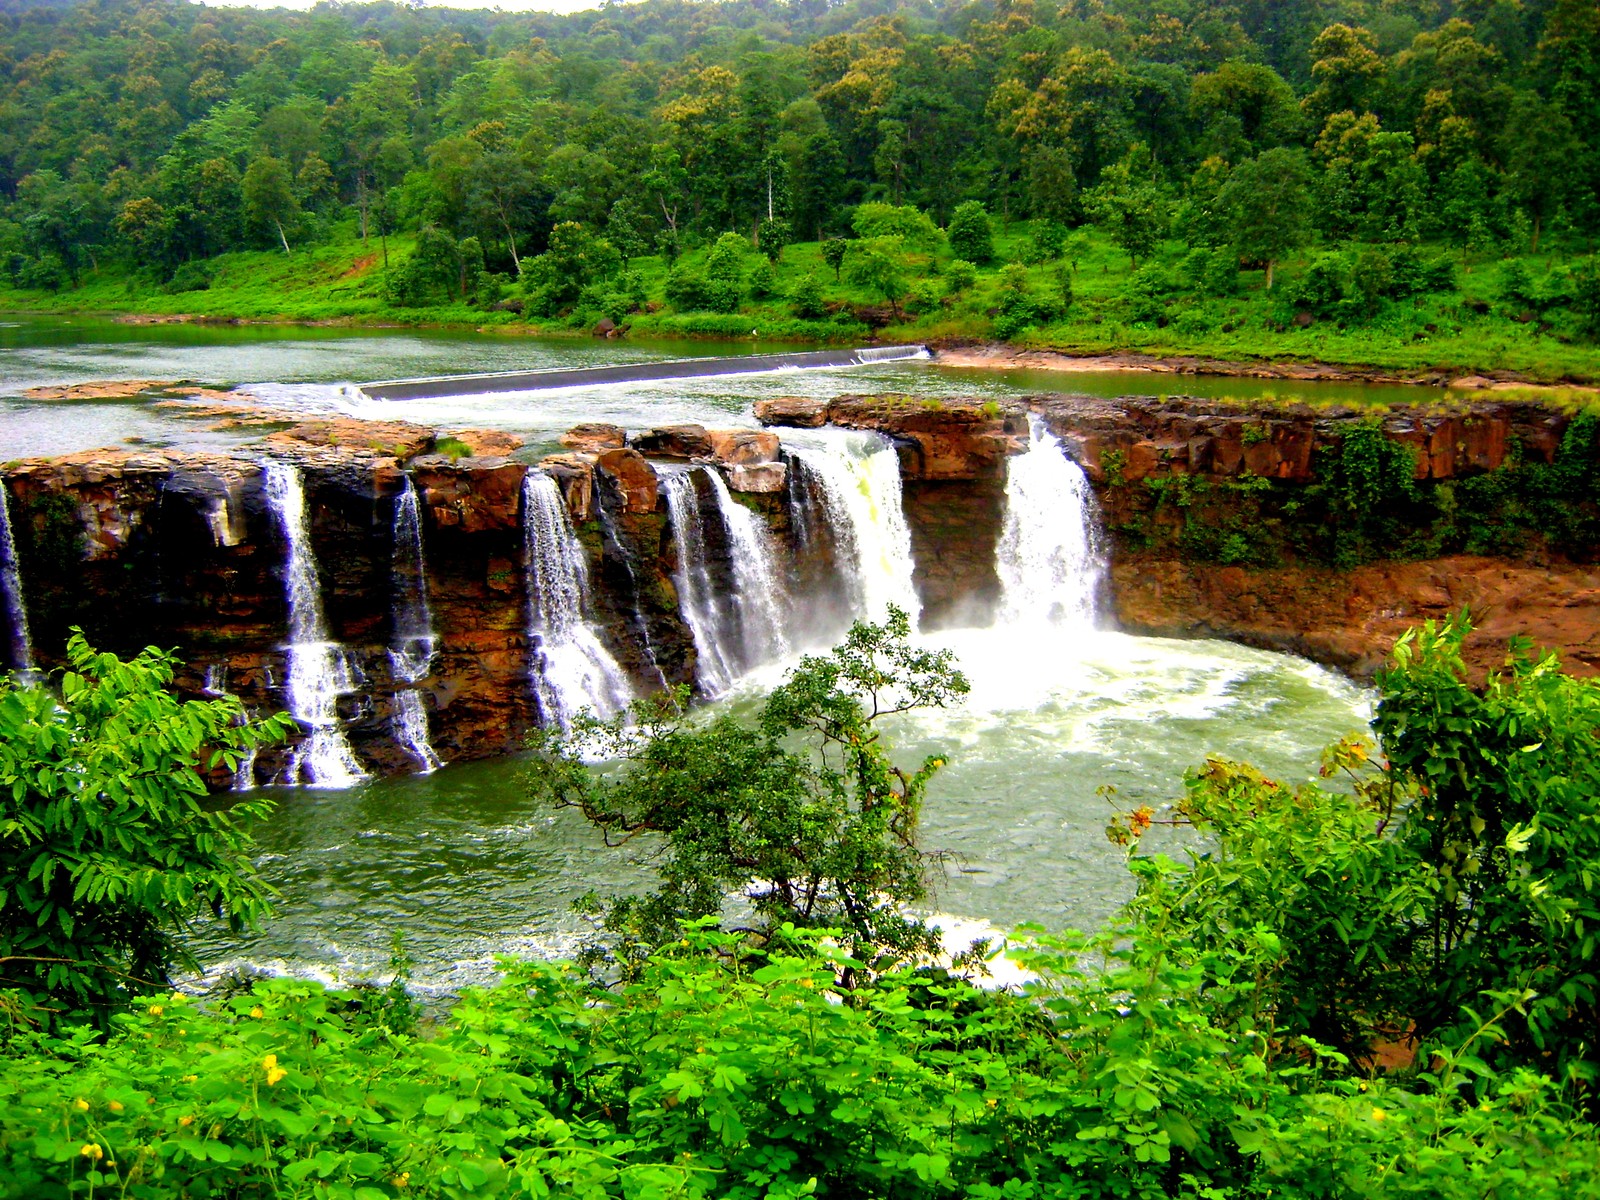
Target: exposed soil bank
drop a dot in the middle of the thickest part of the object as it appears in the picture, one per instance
(1350, 619)
(1002, 357)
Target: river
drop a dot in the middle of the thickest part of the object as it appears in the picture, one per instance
(466, 867)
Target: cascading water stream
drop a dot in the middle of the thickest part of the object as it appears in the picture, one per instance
(216, 684)
(571, 669)
(756, 582)
(19, 645)
(734, 630)
(709, 612)
(1050, 557)
(318, 671)
(413, 644)
(857, 476)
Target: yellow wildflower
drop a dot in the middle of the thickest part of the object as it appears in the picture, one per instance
(258, 1012)
(155, 1010)
(1379, 1115)
(274, 1072)
(115, 1106)
(90, 1150)
(186, 1121)
(402, 1179)
(190, 1078)
(81, 1104)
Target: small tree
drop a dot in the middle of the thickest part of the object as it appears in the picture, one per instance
(875, 264)
(107, 847)
(625, 228)
(833, 252)
(806, 298)
(268, 195)
(969, 233)
(1267, 202)
(776, 233)
(806, 812)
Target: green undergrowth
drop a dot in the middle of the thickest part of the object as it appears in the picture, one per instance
(1114, 308)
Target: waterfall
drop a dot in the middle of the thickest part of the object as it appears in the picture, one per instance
(734, 628)
(412, 645)
(319, 672)
(756, 585)
(1050, 558)
(216, 684)
(21, 648)
(858, 478)
(571, 668)
(705, 607)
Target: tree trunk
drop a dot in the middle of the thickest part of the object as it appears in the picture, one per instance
(1271, 263)
(281, 238)
(511, 238)
(361, 203)
(1534, 249)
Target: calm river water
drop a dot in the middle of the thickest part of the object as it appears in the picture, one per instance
(468, 868)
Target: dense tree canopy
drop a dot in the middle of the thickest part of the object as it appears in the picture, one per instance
(158, 132)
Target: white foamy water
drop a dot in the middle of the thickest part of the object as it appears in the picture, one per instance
(859, 478)
(319, 671)
(413, 644)
(571, 668)
(20, 645)
(1050, 557)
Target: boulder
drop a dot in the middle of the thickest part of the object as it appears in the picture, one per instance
(488, 443)
(756, 477)
(796, 412)
(397, 439)
(634, 478)
(470, 495)
(743, 447)
(595, 437)
(574, 475)
(674, 441)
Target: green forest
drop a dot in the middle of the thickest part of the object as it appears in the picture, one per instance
(1406, 183)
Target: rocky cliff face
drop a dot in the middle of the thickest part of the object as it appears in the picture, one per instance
(1223, 523)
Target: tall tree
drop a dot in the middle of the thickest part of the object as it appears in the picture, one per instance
(1267, 202)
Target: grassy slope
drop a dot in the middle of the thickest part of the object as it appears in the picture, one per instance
(342, 281)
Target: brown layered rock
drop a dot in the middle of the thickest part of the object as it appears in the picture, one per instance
(937, 439)
(674, 441)
(594, 437)
(742, 447)
(574, 475)
(104, 389)
(1134, 437)
(395, 439)
(634, 477)
(1350, 619)
(488, 443)
(767, 478)
(471, 495)
(796, 412)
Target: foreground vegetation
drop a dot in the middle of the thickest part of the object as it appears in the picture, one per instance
(1410, 186)
(1382, 988)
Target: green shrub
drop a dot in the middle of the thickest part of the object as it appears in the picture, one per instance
(107, 847)
(969, 233)
(806, 298)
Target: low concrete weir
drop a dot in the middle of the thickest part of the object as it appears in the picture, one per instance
(684, 368)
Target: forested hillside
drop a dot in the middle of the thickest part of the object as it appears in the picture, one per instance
(1355, 161)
